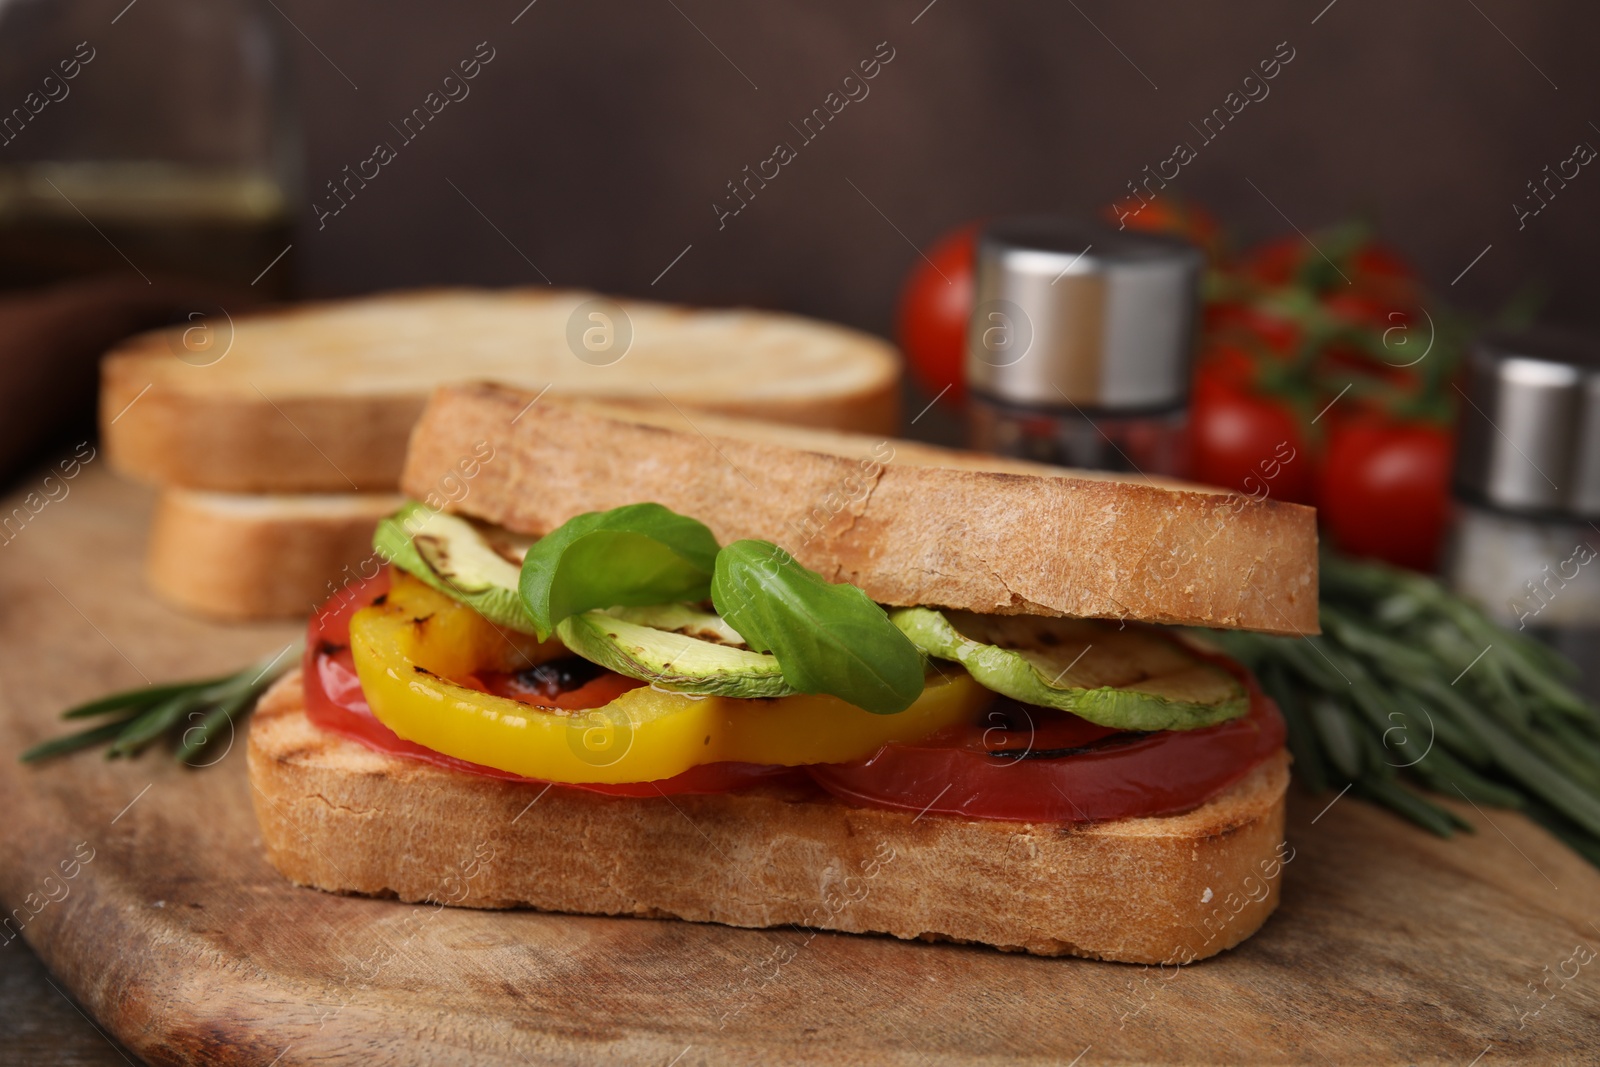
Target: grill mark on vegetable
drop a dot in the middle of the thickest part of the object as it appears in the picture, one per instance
(329, 648)
(558, 676)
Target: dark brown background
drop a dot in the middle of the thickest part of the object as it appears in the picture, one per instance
(602, 133)
(591, 151)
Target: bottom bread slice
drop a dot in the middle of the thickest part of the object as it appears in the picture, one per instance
(339, 816)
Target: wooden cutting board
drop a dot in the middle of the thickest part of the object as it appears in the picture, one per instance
(1390, 945)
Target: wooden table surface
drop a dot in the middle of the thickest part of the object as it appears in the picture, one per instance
(41, 1025)
(1390, 946)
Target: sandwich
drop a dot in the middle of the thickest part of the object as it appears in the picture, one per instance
(689, 666)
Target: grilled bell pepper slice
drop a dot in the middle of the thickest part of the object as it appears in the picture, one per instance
(409, 649)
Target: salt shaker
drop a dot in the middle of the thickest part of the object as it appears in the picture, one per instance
(1525, 534)
(1081, 344)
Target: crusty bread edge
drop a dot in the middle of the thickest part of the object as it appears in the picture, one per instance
(240, 567)
(338, 816)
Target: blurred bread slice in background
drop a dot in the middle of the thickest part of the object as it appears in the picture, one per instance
(277, 438)
(322, 397)
(241, 556)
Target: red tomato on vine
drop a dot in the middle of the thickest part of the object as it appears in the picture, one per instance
(934, 307)
(1243, 440)
(1385, 489)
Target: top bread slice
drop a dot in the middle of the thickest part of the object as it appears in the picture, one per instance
(909, 523)
(321, 398)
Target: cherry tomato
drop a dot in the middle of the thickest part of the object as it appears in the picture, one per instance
(1370, 309)
(1278, 261)
(1377, 266)
(1100, 775)
(1243, 324)
(1170, 215)
(1368, 278)
(334, 701)
(1385, 489)
(934, 307)
(1244, 441)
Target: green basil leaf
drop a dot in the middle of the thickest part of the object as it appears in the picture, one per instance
(827, 638)
(632, 556)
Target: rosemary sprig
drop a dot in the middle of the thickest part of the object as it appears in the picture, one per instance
(136, 718)
(1412, 686)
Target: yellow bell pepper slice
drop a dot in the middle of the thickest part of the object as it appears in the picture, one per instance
(408, 648)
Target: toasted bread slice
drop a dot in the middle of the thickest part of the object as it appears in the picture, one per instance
(241, 557)
(909, 523)
(339, 816)
(321, 397)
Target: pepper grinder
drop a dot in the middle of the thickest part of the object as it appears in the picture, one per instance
(1526, 517)
(1081, 345)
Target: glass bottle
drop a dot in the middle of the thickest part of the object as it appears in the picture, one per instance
(1080, 346)
(148, 140)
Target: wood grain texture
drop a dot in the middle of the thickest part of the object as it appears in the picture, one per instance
(41, 1026)
(1389, 946)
